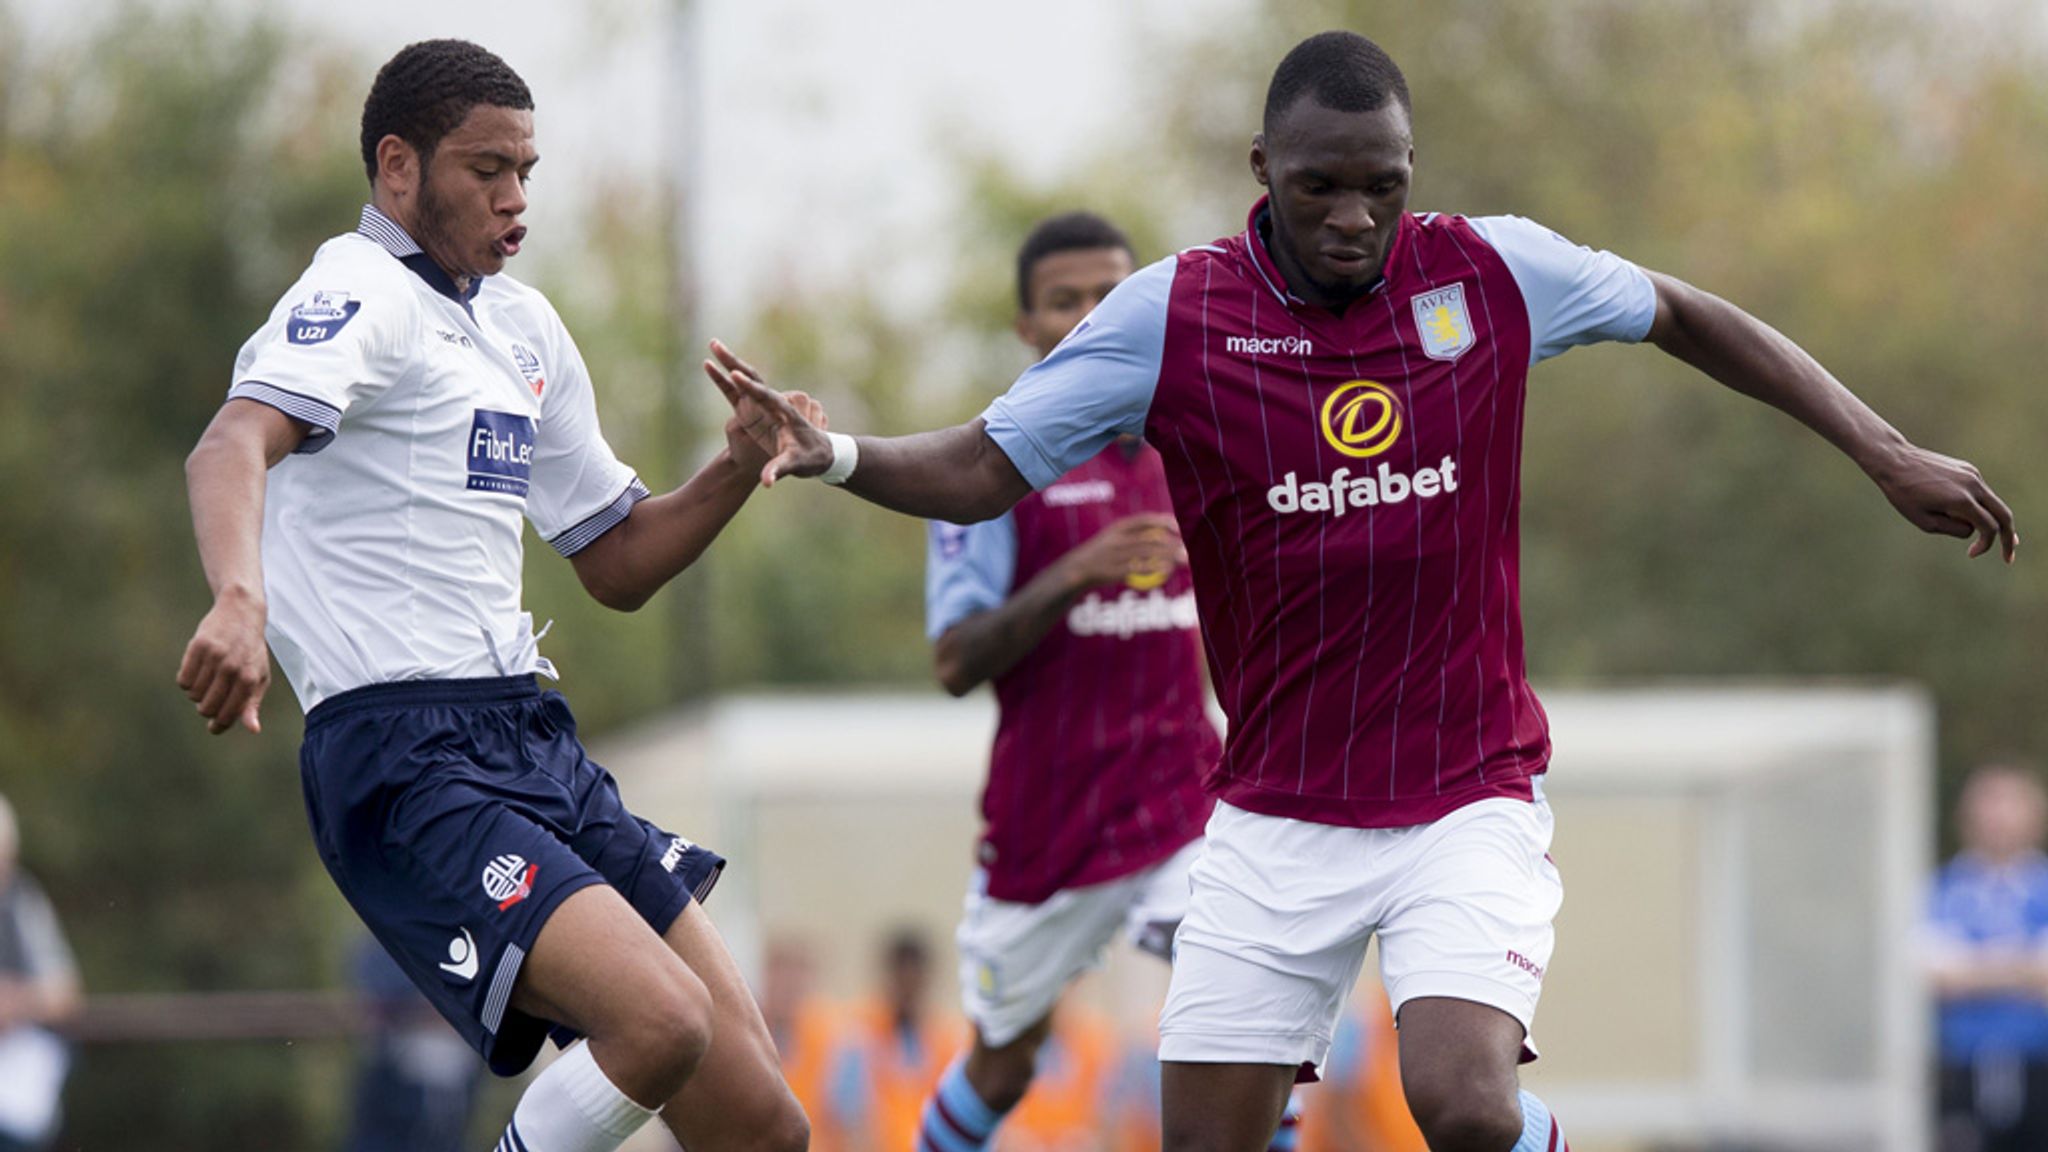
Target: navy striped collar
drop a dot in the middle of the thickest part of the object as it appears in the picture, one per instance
(393, 238)
(386, 231)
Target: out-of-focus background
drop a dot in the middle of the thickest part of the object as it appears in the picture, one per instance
(837, 189)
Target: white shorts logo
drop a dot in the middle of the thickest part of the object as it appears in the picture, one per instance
(673, 858)
(461, 957)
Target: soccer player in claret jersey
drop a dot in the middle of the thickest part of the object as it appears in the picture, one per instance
(360, 495)
(1077, 604)
(1337, 392)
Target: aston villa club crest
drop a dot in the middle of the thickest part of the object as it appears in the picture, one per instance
(1443, 323)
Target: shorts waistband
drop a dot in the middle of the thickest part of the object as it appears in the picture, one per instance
(409, 693)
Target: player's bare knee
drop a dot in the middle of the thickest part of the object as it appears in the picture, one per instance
(789, 1130)
(1465, 1120)
(663, 1039)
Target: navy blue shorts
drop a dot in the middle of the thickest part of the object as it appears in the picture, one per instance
(456, 815)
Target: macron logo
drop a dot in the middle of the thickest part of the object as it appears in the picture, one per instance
(1260, 346)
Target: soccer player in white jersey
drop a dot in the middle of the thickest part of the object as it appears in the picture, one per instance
(1337, 392)
(360, 498)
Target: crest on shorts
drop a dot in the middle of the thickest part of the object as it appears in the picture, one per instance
(1443, 323)
(508, 879)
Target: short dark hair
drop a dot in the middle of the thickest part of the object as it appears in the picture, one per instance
(1341, 70)
(1067, 232)
(421, 94)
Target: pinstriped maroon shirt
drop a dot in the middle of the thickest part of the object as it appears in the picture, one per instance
(1348, 487)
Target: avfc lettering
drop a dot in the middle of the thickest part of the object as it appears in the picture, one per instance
(501, 452)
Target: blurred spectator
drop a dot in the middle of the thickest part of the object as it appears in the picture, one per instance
(805, 1029)
(1359, 1106)
(1068, 1107)
(891, 1055)
(417, 1083)
(1988, 965)
(38, 989)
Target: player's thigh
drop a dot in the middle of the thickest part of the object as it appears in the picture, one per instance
(597, 969)
(1471, 918)
(1221, 1107)
(1458, 1058)
(1016, 959)
(737, 1098)
(1277, 923)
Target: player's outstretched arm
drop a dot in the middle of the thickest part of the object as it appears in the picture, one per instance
(662, 535)
(987, 644)
(1937, 493)
(227, 665)
(957, 474)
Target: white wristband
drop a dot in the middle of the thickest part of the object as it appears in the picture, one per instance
(845, 457)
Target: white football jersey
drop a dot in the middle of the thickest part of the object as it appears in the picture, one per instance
(391, 538)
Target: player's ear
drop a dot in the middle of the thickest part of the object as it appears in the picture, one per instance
(1022, 327)
(1259, 159)
(398, 166)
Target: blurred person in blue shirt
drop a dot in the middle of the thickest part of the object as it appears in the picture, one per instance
(1987, 964)
(38, 991)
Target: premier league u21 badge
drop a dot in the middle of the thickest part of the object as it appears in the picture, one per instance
(1445, 326)
(317, 320)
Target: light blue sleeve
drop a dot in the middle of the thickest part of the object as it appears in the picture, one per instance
(1575, 295)
(1095, 386)
(967, 569)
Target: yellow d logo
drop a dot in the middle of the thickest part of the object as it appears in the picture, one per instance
(1362, 418)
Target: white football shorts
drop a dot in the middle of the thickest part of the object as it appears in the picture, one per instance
(1016, 959)
(1281, 911)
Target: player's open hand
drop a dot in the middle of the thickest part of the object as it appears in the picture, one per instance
(750, 433)
(227, 666)
(1141, 551)
(1949, 497)
(794, 445)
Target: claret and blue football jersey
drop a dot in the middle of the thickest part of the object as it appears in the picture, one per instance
(1348, 488)
(391, 540)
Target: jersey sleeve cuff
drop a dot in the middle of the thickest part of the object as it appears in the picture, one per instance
(601, 521)
(1030, 458)
(1644, 306)
(323, 419)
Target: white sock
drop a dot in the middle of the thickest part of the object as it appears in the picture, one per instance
(572, 1106)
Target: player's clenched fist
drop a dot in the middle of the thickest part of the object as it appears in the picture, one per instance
(227, 666)
(1134, 548)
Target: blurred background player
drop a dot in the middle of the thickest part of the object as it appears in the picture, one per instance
(1078, 606)
(39, 990)
(891, 1053)
(1339, 393)
(1988, 967)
